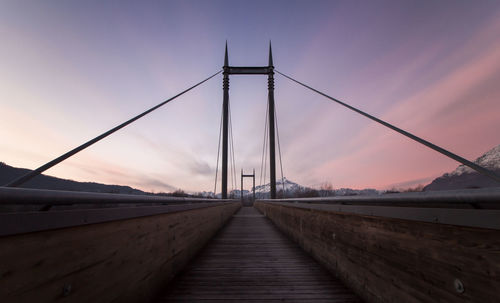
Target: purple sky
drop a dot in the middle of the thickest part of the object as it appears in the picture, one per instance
(70, 70)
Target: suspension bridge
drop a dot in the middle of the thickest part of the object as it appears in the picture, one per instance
(418, 247)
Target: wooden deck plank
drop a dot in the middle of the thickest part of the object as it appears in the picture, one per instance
(250, 260)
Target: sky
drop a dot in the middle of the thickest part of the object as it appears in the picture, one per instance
(70, 70)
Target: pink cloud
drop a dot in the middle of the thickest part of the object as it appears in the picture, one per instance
(445, 112)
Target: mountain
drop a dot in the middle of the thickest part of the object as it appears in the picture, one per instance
(264, 191)
(294, 190)
(287, 185)
(465, 177)
(9, 173)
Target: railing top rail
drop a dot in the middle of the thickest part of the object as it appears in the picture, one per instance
(18, 196)
(480, 208)
(35, 221)
(468, 198)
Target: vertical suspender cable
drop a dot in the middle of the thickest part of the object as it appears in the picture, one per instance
(231, 167)
(264, 145)
(231, 147)
(265, 160)
(279, 150)
(218, 153)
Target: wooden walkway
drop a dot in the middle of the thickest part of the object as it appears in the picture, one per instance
(250, 260)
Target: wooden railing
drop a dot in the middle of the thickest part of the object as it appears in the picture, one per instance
(112, 254)
(398, 251)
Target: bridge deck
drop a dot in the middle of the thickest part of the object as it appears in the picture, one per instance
(250, 260)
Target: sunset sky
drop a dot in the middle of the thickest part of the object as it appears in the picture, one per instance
(70, 70)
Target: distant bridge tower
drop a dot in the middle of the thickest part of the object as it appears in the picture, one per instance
(248, 70)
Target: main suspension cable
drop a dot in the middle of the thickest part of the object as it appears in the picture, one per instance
(441, 150)
(36, 172)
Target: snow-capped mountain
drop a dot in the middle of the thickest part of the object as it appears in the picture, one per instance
(292, 189)
(465, 177)
(263, 191)
(285, 184)
(490, 160)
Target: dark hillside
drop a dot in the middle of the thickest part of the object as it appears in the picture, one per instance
(9, 173)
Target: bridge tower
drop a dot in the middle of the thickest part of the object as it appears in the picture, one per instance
(248, 70)
(225, 122)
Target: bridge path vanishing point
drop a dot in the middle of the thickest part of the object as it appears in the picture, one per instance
(251, 260)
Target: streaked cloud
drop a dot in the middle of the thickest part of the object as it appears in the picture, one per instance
(67, 78)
